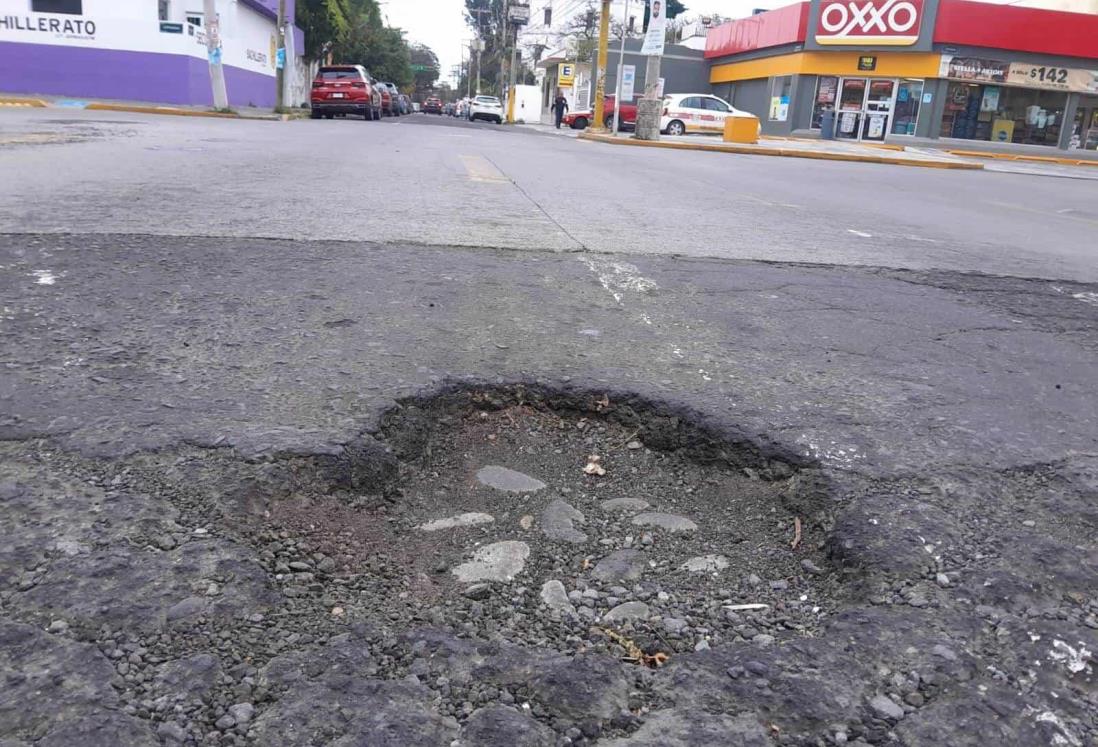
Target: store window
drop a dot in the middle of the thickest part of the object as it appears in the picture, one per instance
(72, 7)
(909, 94)
(1084, 133)
(780, 89)
(826, 88)
(994, 113)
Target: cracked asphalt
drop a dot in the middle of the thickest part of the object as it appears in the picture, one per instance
(198, 313)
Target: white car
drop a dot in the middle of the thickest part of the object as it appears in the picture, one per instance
(696, 112)
(486, 107)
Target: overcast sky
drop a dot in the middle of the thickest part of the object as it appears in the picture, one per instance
(440, 24)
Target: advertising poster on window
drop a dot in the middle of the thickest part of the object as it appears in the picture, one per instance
(1053, 78)
(876, 128)
(990, 101)
(1024, 74)
(848, 122)
(628, 81)
(657, 28)
(974, 69)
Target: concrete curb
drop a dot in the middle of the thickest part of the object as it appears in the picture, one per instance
(138, 109)
(786, 153)
(1063, 161)
(35, 103)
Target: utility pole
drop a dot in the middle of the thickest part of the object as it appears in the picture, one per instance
(213, 53)
(512, 77)
(650, 107)
(280, 59)
(467, 54)
(600, 75)
(479, 43)
(621, 68)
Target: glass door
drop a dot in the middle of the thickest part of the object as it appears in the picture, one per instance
(851, 108)
(878, 109)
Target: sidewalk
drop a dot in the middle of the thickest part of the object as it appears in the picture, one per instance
(141, 107)
(823, 150)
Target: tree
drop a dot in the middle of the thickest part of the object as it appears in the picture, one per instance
(582, 34)
(425, 67)
(487, 19)
(355, 33)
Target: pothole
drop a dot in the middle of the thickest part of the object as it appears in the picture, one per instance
(683, 538)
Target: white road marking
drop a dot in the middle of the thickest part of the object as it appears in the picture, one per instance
(863, 234)
(619, 278)
(1088, 297)
(45, 277)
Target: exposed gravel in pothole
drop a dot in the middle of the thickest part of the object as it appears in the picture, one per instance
(196, 597)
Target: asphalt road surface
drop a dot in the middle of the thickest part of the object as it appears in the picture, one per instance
(448, 182)
(245, 362)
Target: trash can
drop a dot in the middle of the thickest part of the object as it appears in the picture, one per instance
(827, 124)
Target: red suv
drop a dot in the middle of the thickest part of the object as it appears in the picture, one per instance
(579, 120)
(344, 89)
(433, 105)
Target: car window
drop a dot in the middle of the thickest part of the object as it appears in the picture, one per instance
(715, 105)
(691, 102)
(347, 74)
(487, 100)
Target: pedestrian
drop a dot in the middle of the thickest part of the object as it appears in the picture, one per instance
(560, 106)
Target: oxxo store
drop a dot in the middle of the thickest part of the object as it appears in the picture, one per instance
(899, 70)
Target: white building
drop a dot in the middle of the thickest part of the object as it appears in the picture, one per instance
(142, 50)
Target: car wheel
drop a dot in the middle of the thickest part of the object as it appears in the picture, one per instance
(580, 123)
(608, 123)
(329, 116)
(314, 114)
(676, 128)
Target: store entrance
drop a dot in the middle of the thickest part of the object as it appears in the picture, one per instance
(865, 108)
(1085, 130)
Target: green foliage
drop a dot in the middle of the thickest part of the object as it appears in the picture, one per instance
(354, 32)
(425, 67)
(486, 18)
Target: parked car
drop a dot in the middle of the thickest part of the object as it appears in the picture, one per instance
(433, 105)
(486, 107)
(344, 89)
(394, 98)
(386, 99)
(579, 120)
(696, 112)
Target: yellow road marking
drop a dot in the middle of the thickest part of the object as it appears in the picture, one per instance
(480, 169)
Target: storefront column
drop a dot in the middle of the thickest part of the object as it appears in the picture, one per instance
(801, 101)
(930, 118)
(1070, 108)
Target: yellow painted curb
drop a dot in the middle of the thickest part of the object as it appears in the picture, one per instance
(97, 106)
(785, 153)
(1061, 160)
(36, 103)
(794, 138)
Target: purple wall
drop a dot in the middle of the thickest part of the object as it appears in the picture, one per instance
(270, 7)
(115, 74)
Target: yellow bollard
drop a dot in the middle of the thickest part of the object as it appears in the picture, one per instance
(741, 130)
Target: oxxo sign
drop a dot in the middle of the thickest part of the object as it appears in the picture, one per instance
(876, 22)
